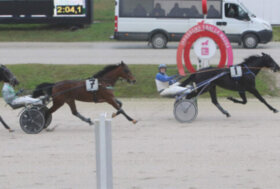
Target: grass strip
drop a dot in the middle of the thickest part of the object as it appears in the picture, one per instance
(31, 75)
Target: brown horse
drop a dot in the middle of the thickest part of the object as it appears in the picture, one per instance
(71, 90)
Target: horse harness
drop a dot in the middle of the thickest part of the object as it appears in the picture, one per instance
(236, 73)
(249, 71)
(92, 85)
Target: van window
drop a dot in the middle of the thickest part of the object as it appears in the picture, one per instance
(235, 11)
(168, 8)
(214, 9)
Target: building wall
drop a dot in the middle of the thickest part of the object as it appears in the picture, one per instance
(267, 9)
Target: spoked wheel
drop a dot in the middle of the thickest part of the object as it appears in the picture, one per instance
(32, 121)
(194, 100)
(185, 111)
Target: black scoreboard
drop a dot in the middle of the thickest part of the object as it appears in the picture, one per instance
(46, 11)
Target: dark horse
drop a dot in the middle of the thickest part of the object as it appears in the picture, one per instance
(71, 90)
(7, 76)
(250, 68)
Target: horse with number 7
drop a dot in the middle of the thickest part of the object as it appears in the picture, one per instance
(70, 90)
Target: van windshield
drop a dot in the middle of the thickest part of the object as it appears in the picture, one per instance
(247, 10)
(168, 8)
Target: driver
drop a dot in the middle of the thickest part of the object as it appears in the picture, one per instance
(12, 98)
(167, 85)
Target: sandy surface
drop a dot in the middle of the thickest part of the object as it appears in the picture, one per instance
(214, 152)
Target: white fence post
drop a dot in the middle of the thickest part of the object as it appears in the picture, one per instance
(103, 141)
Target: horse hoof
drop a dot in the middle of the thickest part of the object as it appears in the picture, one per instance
(52, 129)
(11, 131)
(90, 123)
(275, 111)
(228, 116)
(49, 130)
(114, 115)
(134, 121)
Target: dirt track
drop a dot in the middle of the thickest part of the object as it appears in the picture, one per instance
(214, 152)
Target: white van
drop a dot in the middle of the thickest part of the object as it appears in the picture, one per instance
(160, 21)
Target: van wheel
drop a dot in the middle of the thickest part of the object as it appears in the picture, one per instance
(250, 41)
(159, 41)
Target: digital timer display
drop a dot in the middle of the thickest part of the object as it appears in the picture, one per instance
(69, 10)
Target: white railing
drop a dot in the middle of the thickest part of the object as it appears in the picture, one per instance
(103, 141)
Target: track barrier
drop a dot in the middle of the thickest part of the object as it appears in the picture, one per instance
(103, 141)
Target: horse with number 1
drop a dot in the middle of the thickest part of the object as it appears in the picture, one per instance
(240, 78)
(96, 89)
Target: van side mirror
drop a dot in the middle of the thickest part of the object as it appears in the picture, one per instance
(245, 17)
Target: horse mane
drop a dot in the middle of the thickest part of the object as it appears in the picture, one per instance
(105, 70)
(251, 59)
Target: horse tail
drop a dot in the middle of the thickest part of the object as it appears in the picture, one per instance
(43, 89)
(187, 81)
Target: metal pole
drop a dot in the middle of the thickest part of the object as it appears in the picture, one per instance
(103, 141)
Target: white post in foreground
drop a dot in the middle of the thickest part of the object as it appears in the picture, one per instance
(103, 141)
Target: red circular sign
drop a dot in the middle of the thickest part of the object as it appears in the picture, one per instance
(193, 38)
(204, 7)
(199, 31)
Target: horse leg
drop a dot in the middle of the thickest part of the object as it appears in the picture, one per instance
(117, 104)
(213, 95)
(256, 93)
(74, 111)
(242, 95)
(5, 125)
(56, 105)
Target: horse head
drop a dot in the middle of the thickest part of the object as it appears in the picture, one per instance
(270, 63)
(7, 76)
(126, 73)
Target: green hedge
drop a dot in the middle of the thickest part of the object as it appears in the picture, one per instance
(276, 33)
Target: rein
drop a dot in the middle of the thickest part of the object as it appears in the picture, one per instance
(249, 71)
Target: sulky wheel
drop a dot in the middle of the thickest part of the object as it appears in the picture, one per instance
(194, 100)
(32, 121)
(185, 111)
